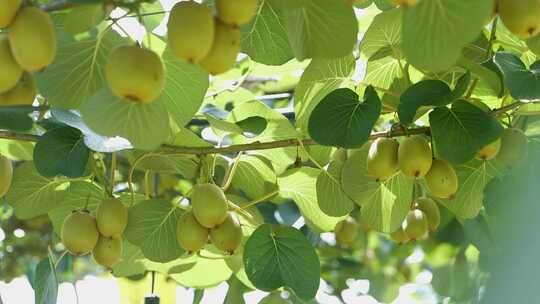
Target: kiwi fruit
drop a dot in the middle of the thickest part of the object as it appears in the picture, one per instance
(415, 224)
(489, 151)
(382, 159)
(236, 12)
(227, 236)
(399, 236)
(108, 251)
(414, 157)
(134, 73)
(32, 39)
(11, 71)
(6, 175)
(522, 17)
(191, 235)
(442, 180)
(23, 93)
(79, 232)
(225, 49)
(513, 151)
(111, 217)
(8, 10)
(431, 210)
(346, 231)
(190, 31)
(210, 206)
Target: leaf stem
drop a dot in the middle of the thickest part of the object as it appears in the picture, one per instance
(113, 171)
(232, 172)
(260, 199)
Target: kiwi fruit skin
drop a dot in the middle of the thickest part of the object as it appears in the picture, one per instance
(11, 72)
(24, 92)
(489, 151)
(111, 217)
(382, 160)
(442, 180)
(227, 236)
(522, 18)
(32, 39)
(513, 151)
(8, 10)
(79, 232)
(236, 12)
(108, 251)
(135, 74)
(6, 175)
(209, 205)
(414, 157)
(431, 210)
(399, 236)
(225, 49)
(191, 31)
(415, 224)
(191, 235)
(346, 231)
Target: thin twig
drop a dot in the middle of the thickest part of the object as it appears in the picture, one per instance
(260, 200)
(230, 176)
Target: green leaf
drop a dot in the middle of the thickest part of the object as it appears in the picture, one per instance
(199, 276)
(429, 93)
(131, 262)
(152, 227)
(461, 131)
(320, 78)
(340, 119)
(321, 28)
(78, 70)
(45, 282)
(522, 83)
(235, 294)
(473, 178)
(15, 118)
(61, 151)
(264, 39)
(330, 195)
(435, 32)
(384, 33)
(76, 196)
(146, 126)
(255, 176)
(16, 150)
(185, 87)
(31, 194)
(299, 185)
(83, 18)
(151, 21)
(185, 165)
(384, 205)
(282, 256)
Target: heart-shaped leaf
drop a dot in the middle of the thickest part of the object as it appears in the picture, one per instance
(341, 120)
(523, 83)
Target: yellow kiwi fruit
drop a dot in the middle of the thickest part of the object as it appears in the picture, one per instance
(442, 180)
(32, 39)
(10, 71)
(190, 30)
(236, 12)
(431, 210)
(111, 217)
(346, 231)
(108, 251)
(6, 175)
(23, 93)
(514, 145)
(414, 157)
(227, 236)
(489, 151)
(521, 17)
(134, 73)
(225, 49)
(382, 159)
(79, 232)
(8, 10)
(191, 235)
(415, 224)
(209, 204)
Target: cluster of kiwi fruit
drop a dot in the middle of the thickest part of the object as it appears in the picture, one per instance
(208, 218)
(27, 45)
(136, 74)
(101, 234)
(213, 42)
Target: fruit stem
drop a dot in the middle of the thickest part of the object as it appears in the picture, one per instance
(232, 172)
(146, 185)
(113, 171)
